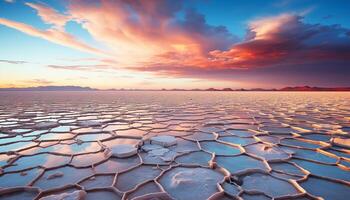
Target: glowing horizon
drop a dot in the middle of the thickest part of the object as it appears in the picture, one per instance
(174, 44)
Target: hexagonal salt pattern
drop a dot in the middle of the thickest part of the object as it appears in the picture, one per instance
(174, 145)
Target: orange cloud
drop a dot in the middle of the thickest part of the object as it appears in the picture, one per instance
(138, 31)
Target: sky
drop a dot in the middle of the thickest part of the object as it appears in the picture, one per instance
(155, 44)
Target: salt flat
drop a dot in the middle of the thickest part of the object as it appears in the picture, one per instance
(174, 145)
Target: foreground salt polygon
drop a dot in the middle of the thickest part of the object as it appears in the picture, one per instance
(146, 145)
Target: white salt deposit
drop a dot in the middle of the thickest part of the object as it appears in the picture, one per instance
(76, 195)
(123, 150)
(164, 140)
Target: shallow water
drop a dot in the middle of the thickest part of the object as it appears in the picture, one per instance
(229, 145)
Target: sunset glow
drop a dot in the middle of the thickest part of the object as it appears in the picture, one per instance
(174, 44)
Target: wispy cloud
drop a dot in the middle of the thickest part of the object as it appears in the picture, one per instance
(52, 35)
(16, 62)
(40, 82)
(50, 15)
(10, 1)
(97, 67)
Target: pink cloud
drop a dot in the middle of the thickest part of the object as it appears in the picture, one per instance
(145, 29)
(50, 15)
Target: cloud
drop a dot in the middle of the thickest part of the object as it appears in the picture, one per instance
(16, 62)
(52, 35)
(281, 47)
(97, 67)
(137, 31)
(9, 1)
(50, 15)
(287, 40)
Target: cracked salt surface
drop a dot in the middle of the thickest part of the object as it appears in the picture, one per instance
(174, 145)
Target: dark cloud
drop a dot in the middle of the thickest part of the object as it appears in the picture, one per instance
(275, 47)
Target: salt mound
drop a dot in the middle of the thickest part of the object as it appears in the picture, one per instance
(123, 150)
(164, 140)
(191, 183)
(55, 175)
(76, 195)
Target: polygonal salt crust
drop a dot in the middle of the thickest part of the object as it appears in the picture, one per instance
(44, 160)
(46, 125)
(219, 148)
(147, 188)
(326, 188)
(76, 195)
(184, 146)
(16, 146)
(247, 196)
(240, 164)
(144, 173)
(298, 143)
(123, 150)
(342, 142)
(89, 123)
(19, 179)
(102, 195)
(97, 181)
(241, 133)
(164, 140)
(200, 136)
(190, 183)
(150, 147)
(19, 193)
(67, 149)
(268, 185)
(93, 137)
(231, 188)
(324, 170)
(311, 155)
(61, 129)
(118, 141)
(86, 160)
(287, 168)
(237, 140)
(194, 158)
(87, 130)
(55, 136)
(285, 176)
(158, 156)
(300, 128)
(113, 165)
(267, 152)
(71, 176)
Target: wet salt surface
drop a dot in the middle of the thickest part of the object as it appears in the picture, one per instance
(179, 145)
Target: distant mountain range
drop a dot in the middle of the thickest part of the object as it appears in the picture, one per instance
(308, 88)
(78, 88)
